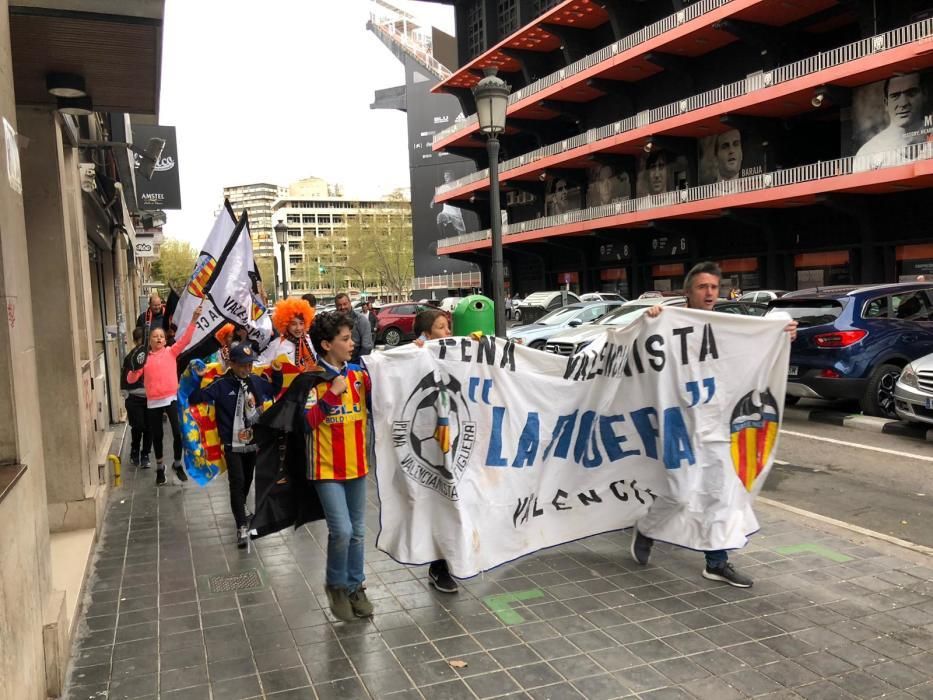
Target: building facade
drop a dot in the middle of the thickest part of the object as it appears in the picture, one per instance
(258, 200)
(70, 284)
(781, 140)
(338, 243)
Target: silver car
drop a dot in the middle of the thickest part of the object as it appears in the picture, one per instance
(536, 334)
(574, 339)
(913, 393)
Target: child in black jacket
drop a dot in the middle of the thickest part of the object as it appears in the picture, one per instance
(135, 402)
(237, 396)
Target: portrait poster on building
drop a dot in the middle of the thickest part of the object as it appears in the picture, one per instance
(428, 114)
(662, 171)
(562, 196)
(728, 156)
(888, 115)
(607, 184)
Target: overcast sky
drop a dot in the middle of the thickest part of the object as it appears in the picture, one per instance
(278, 90)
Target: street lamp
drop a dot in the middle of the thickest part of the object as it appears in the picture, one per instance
(281, 235)
(492, 98)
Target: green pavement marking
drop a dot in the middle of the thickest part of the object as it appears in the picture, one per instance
(814, 548)
(501, 604)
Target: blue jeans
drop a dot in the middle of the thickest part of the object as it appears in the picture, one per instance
(344, 504)
(716, 559)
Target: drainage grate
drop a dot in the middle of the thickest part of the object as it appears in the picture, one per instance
(243, 581)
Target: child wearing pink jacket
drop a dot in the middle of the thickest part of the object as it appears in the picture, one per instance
(160, 378)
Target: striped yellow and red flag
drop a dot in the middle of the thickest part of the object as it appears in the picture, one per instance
(203, 270)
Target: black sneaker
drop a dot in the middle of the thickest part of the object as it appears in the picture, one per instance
(134, 460)
(439, 577)
(242, 537)
(144, 461)
(727, 574)
(160, 476)
(641, 547)
(179, 472)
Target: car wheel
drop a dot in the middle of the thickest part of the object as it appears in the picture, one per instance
(392, 337)
(516, 315)
(879, 394)
(791, 400)
(537, 344)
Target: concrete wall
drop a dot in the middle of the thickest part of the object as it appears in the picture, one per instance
(24, 548)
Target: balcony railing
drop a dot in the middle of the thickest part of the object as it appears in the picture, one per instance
(758, 81)
(779, 178)
(452, 280)
(666, 24)
(415, 45)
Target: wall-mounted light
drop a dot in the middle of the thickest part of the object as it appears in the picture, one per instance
(818, 99)
(65, 85)
(75, 106)
(649, 146)
(543, 175)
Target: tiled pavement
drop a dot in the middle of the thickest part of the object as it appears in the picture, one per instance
(827, 618)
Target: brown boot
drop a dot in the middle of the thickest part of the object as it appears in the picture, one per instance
(340, 603)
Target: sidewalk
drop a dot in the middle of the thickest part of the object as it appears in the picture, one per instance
(174, 610)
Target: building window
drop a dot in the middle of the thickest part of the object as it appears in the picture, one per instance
(508, 17)
(542, 6)
(476, 29)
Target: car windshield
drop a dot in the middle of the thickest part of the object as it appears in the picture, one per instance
(556, 317)
(623, 315)
(808, 312)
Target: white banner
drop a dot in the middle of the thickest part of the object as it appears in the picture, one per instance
(487, 450)
(221, 279)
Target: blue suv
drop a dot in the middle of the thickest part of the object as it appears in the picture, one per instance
(853, 342)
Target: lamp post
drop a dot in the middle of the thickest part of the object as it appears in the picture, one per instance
(492, 98)
(281, 235)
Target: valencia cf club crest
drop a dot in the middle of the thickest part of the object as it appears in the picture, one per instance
(203, 269)
(754, 429)
(258, 308)
(435, 437)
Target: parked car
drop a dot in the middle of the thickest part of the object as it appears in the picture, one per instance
(603, 296)
(853, 342)
(395, 323)
(536, 334)
(573, 339)
(534, 306)
(763, 295)
(913, 394)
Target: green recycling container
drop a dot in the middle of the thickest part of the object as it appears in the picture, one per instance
(474, 313)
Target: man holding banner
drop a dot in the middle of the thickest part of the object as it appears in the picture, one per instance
(701, 288)
(670, 423)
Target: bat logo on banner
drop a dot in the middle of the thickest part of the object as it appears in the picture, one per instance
(754, 429)
(435, 435)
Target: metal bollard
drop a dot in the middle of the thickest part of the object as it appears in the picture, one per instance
(117, 480)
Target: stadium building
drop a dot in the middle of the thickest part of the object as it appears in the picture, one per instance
(789, 140)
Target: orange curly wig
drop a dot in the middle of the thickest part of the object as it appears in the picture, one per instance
(287, 309)
(224, 334)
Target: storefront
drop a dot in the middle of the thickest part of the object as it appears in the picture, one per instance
(668, 277)
(822, 269)
(614, 279)
(914, 261)
(740, 273)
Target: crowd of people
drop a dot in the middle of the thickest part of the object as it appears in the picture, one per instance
(340, 440)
